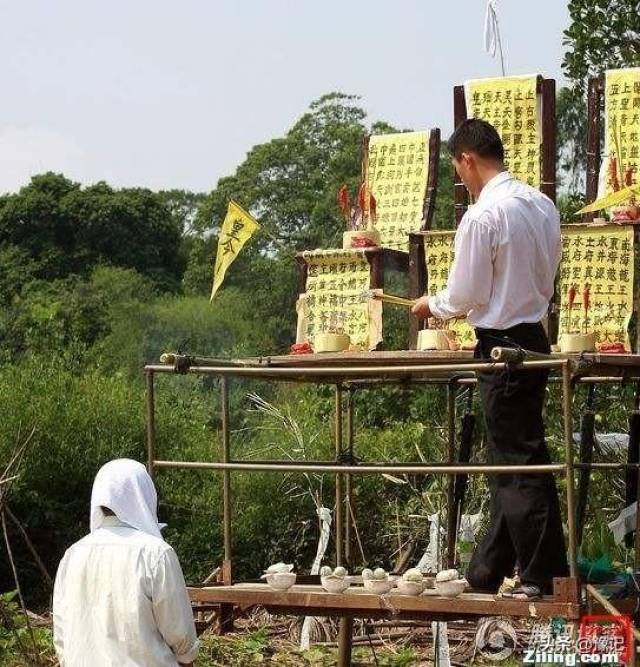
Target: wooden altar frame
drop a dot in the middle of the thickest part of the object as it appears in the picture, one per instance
(546, 88)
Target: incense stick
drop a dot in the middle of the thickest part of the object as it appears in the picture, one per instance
(389, 298)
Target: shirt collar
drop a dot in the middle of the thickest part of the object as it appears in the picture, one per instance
(497, 180)
(113, 521)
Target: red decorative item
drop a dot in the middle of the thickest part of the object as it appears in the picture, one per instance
(344, 203)
(301, 348)
(613, 174)
(571, 297)
(628, 177)
(363, 242)
(586, 300)
(611, 348)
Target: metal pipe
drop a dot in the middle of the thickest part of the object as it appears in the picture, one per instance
(470, 379)
(451, 457)
(226, 474)
(348, 481)
(357, 371)
(470, 469)
(606, 466)
(567, 393)
(339, 516)
(151, 423)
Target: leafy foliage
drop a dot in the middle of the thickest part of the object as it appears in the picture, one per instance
(65, 229)
(603, 34)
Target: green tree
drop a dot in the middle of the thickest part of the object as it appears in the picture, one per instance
(603, 34)
(66, 229)
(291, 182)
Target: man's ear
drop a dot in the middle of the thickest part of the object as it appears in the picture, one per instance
(467, 159)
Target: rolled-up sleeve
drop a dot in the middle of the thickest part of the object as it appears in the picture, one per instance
(471, 276)
(172, 609)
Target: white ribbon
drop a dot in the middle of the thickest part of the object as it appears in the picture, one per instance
(324, 515)
(491, 28)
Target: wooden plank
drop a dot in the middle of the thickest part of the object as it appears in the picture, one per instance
(594, 103)
(460, 194)
(358, 602)
(548, 184)
(417, 283)
(432, 179)
(382, 358)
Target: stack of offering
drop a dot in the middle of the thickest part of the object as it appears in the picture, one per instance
(378, 581)
(412, 582)
(280, 576)
(334, 581)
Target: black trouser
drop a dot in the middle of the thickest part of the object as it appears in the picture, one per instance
(525, 523)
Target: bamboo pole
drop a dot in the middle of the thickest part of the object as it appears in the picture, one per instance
(226, 474)
(416, 469)
(151, 422)
(567, 395)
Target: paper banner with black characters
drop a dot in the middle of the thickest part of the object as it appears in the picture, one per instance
(512, 106)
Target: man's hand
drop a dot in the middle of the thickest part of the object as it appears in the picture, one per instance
(421, 308)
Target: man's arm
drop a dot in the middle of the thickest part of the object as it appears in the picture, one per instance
(172, 609)
(471, 275)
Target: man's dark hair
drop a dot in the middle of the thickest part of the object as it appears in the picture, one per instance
(476, 136)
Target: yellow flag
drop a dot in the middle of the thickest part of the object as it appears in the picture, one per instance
(236, 230)
(612, 199)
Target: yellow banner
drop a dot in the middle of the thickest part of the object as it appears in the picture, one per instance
(439, 254)
(511, 105)
(619, 197)
(397, 177)
(236, 230)
(622, 122)
(601, 258)
(336, 281)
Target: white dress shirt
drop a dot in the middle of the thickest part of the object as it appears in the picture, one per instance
(120, 600)
(507, 251)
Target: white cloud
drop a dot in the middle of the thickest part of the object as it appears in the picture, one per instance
(25, 151)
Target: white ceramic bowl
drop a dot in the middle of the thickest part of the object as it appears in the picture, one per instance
(281, 581)
(451, 589)
(333, 584)
(410, 587)
(380, 586)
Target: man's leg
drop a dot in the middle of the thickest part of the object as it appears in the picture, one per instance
(529, 503)
(495, 557)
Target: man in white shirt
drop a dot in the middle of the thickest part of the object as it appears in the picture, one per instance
(119, 598)
(507, 251)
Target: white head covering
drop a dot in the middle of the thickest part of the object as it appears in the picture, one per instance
(125, 487)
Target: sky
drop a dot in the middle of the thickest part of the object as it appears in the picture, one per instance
(173, 94)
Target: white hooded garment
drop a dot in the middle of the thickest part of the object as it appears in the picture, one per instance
(119, 596)
(125, 487)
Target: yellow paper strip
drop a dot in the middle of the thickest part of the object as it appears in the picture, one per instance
(336, 281)
(622, 123)
(439, 255)
(611, 199)
(603, 259)
(397, 175)
(512, 106)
